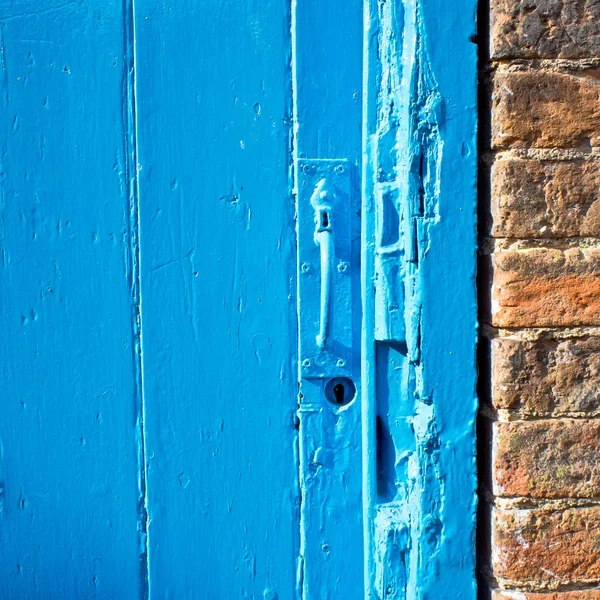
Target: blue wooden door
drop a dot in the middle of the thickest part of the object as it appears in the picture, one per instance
(237, 301)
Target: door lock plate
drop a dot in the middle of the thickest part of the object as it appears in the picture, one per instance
(328, 251)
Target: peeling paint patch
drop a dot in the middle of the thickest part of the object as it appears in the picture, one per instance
(416, 444)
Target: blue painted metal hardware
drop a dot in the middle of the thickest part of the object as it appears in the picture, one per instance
(328, 256)
(323, 199)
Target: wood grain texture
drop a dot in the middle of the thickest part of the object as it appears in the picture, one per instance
(69, 447)
(218, 303)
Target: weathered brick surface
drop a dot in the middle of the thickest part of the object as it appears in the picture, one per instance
(545, 28)
(546, 377)
(545, 199)
(547, 459)
(544, 109)
(545, 547)
(541, 287)
(573, 595)
(541, 109)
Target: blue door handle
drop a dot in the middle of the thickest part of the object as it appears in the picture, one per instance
(322, 200)
(328, 224)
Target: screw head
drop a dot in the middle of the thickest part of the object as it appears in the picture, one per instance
(306, 362)
(305, 267)
(343, 266)
(339, 169)
(341, 363)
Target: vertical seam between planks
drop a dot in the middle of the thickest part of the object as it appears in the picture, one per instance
(133, 194)
(483, 544)
(367, 330)
(294, 180)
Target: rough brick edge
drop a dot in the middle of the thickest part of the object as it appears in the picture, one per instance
(504, 62)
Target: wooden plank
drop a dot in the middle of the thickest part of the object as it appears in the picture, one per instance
(328, 78)
(219, 323)
(419, 401)
(71, 495)
(327, 66)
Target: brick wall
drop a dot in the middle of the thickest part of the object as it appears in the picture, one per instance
(542, 253)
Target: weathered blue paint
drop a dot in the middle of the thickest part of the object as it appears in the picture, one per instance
(419, 242)
(329, 412)
(327, 71)
(176, 325)
(329, 275)
(218, 297)
(70, 514)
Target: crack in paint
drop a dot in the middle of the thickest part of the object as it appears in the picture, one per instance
(407, 153)
(131, 170)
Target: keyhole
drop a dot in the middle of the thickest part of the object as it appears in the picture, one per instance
(325, 220)
(340, 391)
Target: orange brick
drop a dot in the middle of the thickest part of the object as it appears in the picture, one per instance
(545, 29)
(546, 377)
(545, 199)
(547, 459)
(542, 287)
(542, 547)
(572, 595)
(546, 110)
